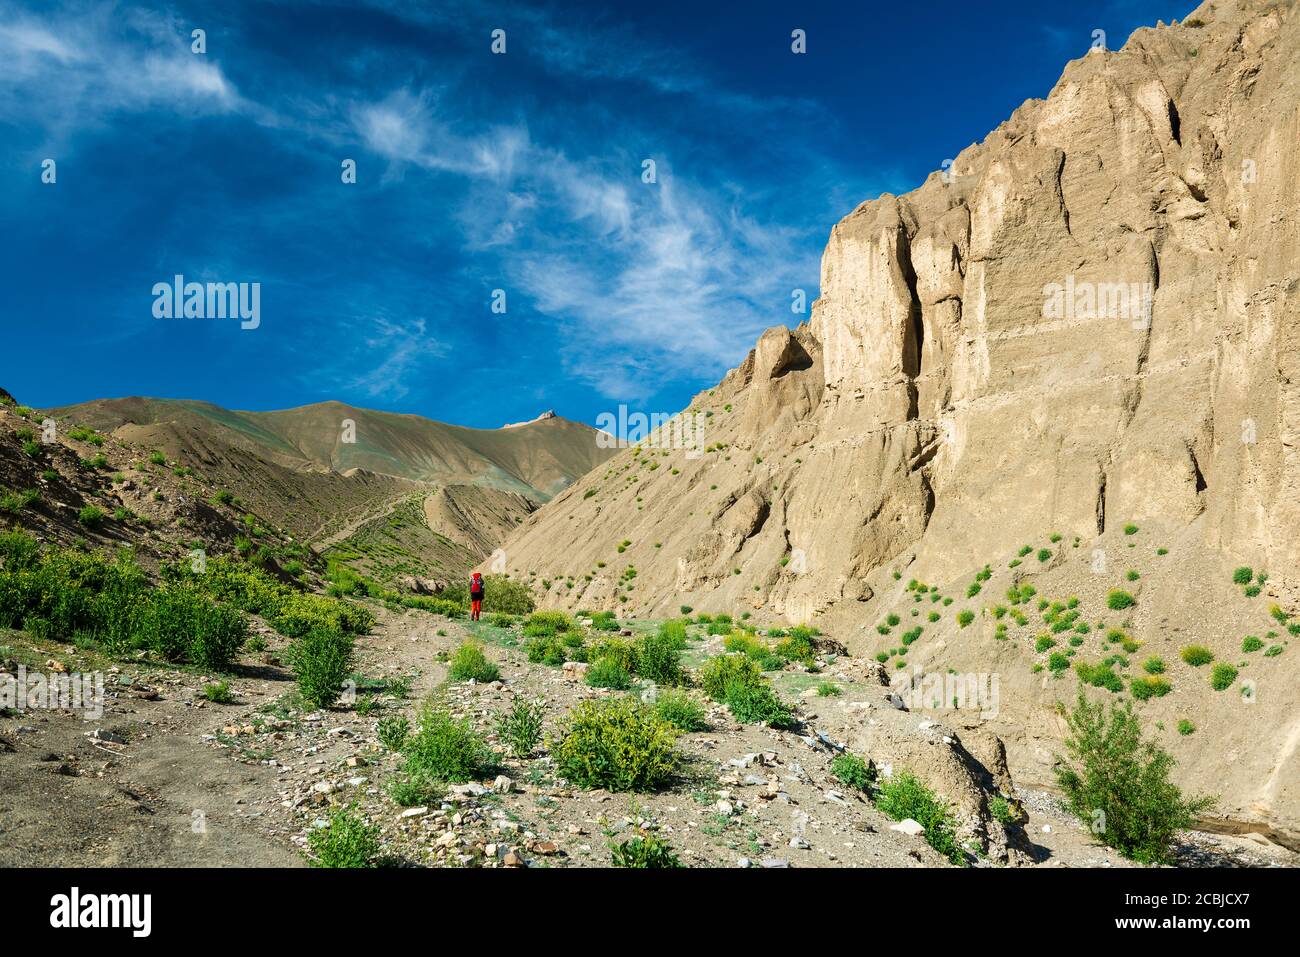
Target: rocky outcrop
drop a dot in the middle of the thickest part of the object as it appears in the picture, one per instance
(1089, 319)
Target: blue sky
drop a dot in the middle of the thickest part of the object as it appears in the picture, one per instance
(475, 172)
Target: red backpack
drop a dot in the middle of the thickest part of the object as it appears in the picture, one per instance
(476, 582)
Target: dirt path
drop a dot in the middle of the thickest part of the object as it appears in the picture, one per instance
(201, 784)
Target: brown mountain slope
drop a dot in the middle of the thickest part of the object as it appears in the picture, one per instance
(982, 371)
(535, 459)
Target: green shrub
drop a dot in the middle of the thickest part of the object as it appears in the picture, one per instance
(18, 550)
(608, 672)
(644, 851)
(520, 728)
(294, 614)
(1153, 686)
(321, 659)
(674, 632)
(1243, 575)
(658, 659)
(904, 796)
(1058, 661)
(797, 645)
(717, 673)
(547, 623)
(91, 516)
(177, 623)
(1154, 666)
(442, 748)
(393, 732)
(1099, 676)
(681, 711)
(965, 617)
(348, 841)
(829, 689)
(604, 621)
(756, 703)
(1114, 771)
(1130, 529)
(218, 693)
(470, 664)
(1117, 600)
(615, 744)
(15, 502)
(1222, 676)
(1000, 809)
(1186, 727)
(854, 771)
(1251, 643)
(412, 790)
(1197, 655)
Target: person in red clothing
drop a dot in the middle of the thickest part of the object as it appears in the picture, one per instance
(475, 596)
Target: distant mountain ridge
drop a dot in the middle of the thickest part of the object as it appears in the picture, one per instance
(534, 459)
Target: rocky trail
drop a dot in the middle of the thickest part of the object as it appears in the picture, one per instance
(169, 778)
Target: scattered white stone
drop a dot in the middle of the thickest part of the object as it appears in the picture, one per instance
(909, 827)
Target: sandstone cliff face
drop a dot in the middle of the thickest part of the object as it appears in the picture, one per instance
(1091, 319)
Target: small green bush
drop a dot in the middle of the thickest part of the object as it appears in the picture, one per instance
(321, 660)
(91, 516)
(854, 771)
(757, 703)
(1243, 575)
(681, 711)
(717, 673)
(1099, 676)
(616, 744)
(1222, 676)
(443, 748)
(393, 732)
(218, 693)
(904, 796)
(658, 658)
(1251, 643)
(1114, 771)
(608, 672)
(1154, 666)
(520, 728)
(470, 664)
(1197, 655)
(348, 841)
(645, 851)
(1117, 600)
(965, 617)
(1152, 686)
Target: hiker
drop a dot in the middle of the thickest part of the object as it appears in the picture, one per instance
(475, 596)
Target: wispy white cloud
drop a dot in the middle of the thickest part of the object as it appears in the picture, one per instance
(75, 67)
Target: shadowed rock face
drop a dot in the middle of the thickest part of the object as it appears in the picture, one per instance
(1091, 319)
